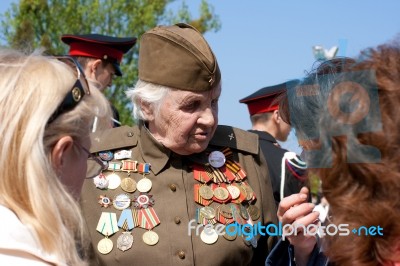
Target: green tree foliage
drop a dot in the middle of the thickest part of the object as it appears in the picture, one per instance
(30, 24)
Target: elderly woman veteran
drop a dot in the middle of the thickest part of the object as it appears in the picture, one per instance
(178, 172)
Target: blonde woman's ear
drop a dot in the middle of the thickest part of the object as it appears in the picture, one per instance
(62, 147)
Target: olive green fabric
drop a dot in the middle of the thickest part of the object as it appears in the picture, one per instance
(172, 190)
(178, 57)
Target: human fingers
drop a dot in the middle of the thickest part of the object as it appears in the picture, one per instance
(304, 221)
(289, 202)
(296, 212)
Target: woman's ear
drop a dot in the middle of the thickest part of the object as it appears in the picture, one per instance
(147, 110)
(62, 148)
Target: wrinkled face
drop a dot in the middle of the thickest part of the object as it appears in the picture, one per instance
(186, 120)
(104, 75)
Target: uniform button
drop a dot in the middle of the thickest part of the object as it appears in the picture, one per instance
(181, 254)
(130, 134)
(172, 187)
(177, 220)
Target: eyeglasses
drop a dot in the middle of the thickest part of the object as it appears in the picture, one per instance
(94, 165)
(79, 89)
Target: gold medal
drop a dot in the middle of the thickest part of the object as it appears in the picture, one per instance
(113, 181)
(150, 238)
(221, 193)
(125, 241)
(105, 246)
(128, 184)
(144, 185)
(209, 236)
(206, 192)
(249, 191)
(254, 212)
(225, 210)
(207, 212)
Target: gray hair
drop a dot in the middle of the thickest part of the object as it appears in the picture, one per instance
(150, 93)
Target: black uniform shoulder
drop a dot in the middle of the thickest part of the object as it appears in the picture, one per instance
(114, 138)
(235, 138)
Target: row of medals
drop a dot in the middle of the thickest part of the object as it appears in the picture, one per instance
(235, 199)
(208, 213)
(122, 201)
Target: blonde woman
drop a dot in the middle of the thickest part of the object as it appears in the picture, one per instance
(46, 111)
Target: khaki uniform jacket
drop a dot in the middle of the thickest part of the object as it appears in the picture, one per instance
(172, 190)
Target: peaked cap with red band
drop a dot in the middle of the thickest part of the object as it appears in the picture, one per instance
(100, 47)
(265, 100)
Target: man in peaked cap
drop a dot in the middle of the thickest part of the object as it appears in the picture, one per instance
(100, 57)
(266, 122)
(154, 213)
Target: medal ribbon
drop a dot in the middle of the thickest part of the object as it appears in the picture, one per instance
(107, 224)
(144, 168)
(126, 220)
(114, 166)
(135, 217)
(228, 173)
(227, 152)
(129, 165)
(148, 218)
(215, 174)
(231, 165)
(200, 175)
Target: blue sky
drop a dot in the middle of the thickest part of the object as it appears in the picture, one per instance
(264, 43)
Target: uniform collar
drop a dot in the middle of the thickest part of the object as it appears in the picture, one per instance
(264, 135)
(152, 151)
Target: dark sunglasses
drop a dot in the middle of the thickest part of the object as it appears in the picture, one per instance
(79, 89)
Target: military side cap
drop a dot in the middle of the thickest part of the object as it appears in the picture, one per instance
(265, 100)
(178, 57)
(100, 47)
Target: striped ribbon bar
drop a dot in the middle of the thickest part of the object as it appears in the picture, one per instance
(129, 165)
(200, 174)
(149, 218)
(144, 168)
(107, 224)
(215, 174)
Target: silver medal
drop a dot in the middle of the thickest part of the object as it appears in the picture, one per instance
(125, 241)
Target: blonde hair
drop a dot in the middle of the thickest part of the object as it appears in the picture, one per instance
(31, 89)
